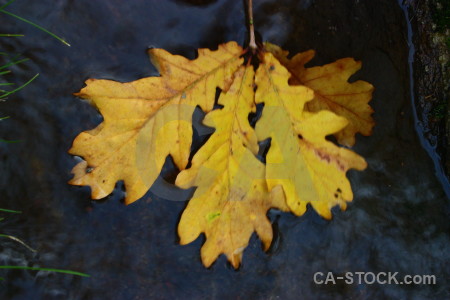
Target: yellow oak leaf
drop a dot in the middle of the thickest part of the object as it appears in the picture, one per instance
(308, 167)
(148, 119)
(232, 199)
(332, 91)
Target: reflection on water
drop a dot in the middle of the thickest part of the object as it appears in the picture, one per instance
(398, 220)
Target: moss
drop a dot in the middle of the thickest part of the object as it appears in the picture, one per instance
(439, 111)
(441, 15)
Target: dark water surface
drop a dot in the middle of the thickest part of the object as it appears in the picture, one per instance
(398, 221)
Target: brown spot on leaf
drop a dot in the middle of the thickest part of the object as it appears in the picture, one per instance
(323, 156)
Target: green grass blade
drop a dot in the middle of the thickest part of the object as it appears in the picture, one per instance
(35, 25)
(10, 210)
(10, 141)
(14, 62)
(10, 34)
(6, 83)
(18, 241)
(7, 4)
(20, 87)
(5, 72)
(45, 269)
(4, 118)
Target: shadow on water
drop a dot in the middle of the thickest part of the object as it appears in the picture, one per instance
(398, 221)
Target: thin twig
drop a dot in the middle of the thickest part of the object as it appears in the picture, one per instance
(252, 43)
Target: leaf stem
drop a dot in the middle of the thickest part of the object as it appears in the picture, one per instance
(252, 43)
